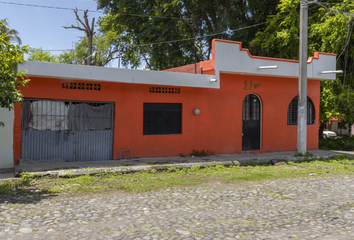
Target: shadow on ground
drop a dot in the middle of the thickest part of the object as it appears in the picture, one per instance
(19, 192)
(23, 198)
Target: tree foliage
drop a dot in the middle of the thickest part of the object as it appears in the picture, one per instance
(329, 31)
(10, 79)
(211, 17)
(38, 55)
(102, 52)
(11, 34)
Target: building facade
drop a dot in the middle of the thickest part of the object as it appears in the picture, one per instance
(234, 103)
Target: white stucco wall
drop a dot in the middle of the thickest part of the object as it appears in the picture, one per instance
(229, 58)
(6, 138)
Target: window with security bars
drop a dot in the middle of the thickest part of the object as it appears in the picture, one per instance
(292, 111)
(61, 115)
(251, 108)
(162, 118)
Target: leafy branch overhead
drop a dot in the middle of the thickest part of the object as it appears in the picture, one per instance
(104, 52)
(138, 33)
(10, 79)
(11, 34)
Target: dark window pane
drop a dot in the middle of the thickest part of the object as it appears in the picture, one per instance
(292, 112)
(251, 108)
(162, 118)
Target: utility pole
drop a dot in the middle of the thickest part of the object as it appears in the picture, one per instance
(302, 99)
(119, 52)
(195, 55)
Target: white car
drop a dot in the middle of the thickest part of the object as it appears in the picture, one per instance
(327, 134)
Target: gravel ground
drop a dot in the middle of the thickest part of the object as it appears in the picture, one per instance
(313, 208)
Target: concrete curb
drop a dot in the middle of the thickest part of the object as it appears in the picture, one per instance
(273, 161)
(79, 172)
(140, 168)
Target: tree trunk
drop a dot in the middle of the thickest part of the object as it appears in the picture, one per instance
(320, 130)
(88, 30)
(89, 58)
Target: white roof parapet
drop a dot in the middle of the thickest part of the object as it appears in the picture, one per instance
(231, 58)
(122, 75)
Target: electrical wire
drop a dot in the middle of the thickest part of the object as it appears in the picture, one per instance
(342, 3)
(346, 56)
(97, 11)
(214, 34)
(57, 50)
(204, 36)
(347, 41)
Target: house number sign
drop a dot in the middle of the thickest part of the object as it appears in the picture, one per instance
(251, 85)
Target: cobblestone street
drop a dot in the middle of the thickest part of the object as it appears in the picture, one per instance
(312, 208)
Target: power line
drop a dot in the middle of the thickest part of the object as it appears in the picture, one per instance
(53, 50)
(346, 41)
(209, 35)
(97, 11)
(42, 6)
(342, 3)
(214, 34)
(329, 9)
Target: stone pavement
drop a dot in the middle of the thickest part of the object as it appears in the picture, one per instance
(309, 208)
(241, 158)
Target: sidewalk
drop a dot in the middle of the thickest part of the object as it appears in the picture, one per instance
(243, 159)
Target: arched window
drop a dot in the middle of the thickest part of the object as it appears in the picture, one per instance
(292, 112)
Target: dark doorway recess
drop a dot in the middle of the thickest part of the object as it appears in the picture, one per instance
(251, 123)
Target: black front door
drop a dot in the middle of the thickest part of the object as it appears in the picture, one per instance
(251, 123)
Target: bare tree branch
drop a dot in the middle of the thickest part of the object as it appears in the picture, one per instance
(76, 27)
(87, 29)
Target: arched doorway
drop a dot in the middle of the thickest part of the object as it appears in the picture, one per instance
(251, 123)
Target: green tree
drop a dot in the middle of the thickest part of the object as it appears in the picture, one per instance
(10, 79)
(38, 55)
(11, 34)
(211, 17)
(103, 52)
(329, 31)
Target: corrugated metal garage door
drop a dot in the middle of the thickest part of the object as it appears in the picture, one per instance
(71, 130)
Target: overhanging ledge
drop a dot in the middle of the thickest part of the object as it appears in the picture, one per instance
(119, 75)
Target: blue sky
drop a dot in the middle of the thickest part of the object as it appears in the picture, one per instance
(43, 27)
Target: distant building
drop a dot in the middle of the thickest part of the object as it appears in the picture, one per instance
(335, 126)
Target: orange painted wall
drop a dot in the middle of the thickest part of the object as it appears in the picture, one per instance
(205, 67)
(217, 128)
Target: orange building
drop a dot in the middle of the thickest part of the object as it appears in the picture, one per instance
(236, 102)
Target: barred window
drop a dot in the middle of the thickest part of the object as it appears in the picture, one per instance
(292, 111)
(251, 108)
(162, 118)
(61, 115)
